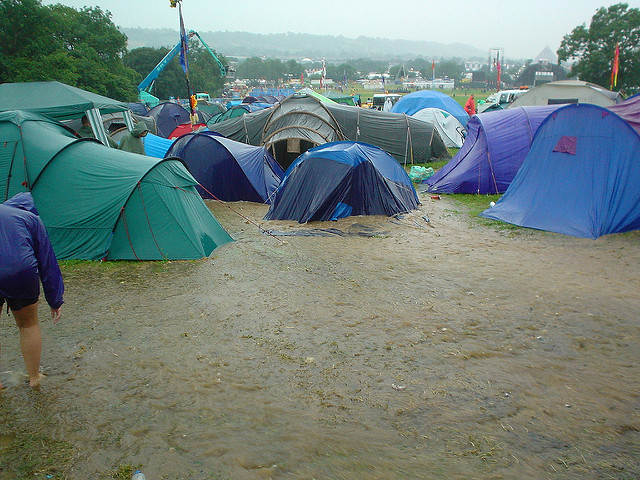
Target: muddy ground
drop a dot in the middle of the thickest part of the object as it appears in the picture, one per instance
(367, 348)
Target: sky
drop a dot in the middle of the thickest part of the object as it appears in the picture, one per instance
(521, 29)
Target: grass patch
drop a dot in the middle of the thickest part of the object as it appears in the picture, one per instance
(27, 455)
(125, 472)
(474, 205)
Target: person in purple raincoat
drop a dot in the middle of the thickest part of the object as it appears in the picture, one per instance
(26, 258)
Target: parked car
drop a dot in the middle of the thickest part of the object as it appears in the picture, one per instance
(500, 99)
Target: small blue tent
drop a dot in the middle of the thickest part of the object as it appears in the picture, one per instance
(497, 143)
(581, 176)
(228, 170)
(339, 179)
(416, 101)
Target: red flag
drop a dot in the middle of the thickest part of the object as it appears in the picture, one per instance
(615, 68)
(433, 69)
(302, 78)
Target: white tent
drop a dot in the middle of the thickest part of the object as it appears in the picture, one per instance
(567, 91)
(449, 127)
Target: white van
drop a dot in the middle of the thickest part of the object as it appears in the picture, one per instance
(379, 99)
(500, 100)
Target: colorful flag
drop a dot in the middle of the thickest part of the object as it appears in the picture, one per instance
(614, 70)
(184, 43)
(433, 69)
(302, 78)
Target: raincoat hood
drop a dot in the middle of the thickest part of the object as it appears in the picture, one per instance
(23, 201)
(139, 129)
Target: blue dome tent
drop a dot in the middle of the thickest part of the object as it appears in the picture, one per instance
(229, 170)
(169, 116)
(581, 176)
(339, 179)
(497, 143)
(416, 101)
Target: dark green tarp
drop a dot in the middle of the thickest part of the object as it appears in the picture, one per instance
(99, 202)
(301, 117)
(55, 99)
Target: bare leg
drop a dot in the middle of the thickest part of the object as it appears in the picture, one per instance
(30, 341)
(1, 387)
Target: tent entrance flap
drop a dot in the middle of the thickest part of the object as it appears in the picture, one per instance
(287, 150)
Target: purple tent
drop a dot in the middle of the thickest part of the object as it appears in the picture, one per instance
(497, 143)
(629, 110)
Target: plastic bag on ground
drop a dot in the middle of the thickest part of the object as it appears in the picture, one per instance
(418, 173)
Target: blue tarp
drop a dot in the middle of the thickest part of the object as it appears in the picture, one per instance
(155, 146)
(496, 144)
(581, 176)
(228, 170)
(416, 101)
(339, 179)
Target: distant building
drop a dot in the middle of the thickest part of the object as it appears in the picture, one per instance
(540, 73)
(546, 55)
(473, 66)
(435, 84)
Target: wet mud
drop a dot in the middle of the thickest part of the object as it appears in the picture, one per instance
(367, 348)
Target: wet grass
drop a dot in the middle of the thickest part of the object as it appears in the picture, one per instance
(28, 455)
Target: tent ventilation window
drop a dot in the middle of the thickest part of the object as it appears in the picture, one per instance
(293, 145)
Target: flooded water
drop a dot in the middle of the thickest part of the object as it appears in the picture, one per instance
(368, 348)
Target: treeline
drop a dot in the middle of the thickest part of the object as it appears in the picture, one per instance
(85, 49)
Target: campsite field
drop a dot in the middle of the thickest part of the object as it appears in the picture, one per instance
(460, 95)
(367, 348)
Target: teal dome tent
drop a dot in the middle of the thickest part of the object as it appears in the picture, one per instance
(99, 202)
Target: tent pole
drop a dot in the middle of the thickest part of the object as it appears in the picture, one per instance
(128, 120)
(95, 120)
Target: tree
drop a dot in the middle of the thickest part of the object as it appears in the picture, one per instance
(204, 71)
(170, 83)
(450, 69)
(252, 67)
(593, 48)
(82, 48)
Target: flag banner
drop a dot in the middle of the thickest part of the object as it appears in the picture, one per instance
(615, 67)
(184, 43)
(324, 74)
(433, 70)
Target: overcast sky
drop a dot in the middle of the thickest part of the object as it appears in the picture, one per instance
(521, 28)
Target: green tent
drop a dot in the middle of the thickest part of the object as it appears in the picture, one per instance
(340, 97)
(312, 93)
(98, 202)
(54, 99)
(62, 102)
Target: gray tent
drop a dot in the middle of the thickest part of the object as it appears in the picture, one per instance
(567, 91)
(301, 121)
